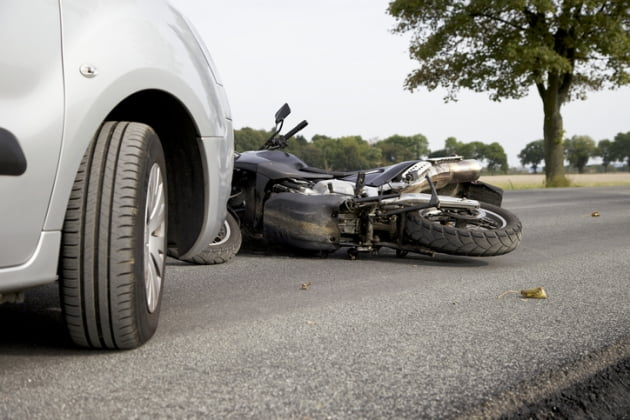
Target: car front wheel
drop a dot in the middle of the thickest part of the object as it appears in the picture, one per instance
(114, 239)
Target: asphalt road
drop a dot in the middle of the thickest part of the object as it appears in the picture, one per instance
(379, 337)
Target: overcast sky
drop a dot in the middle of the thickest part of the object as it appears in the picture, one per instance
(339, 66)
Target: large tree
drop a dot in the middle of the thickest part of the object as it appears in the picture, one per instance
(562, 47)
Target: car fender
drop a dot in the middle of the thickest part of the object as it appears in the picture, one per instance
(165, 55)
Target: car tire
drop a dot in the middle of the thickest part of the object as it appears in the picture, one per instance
(114, 240)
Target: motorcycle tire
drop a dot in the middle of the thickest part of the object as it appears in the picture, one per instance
(224, 247)
(488, 231)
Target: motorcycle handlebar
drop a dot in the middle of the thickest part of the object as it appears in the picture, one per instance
(295, 130)
(281, 142)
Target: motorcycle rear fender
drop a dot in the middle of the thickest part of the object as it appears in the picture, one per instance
(303, 221)
(481, 191)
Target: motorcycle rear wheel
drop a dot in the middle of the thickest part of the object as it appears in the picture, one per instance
(487, 231)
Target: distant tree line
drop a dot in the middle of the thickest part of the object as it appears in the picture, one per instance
(352, 153)
(579, 149)
(492, 154)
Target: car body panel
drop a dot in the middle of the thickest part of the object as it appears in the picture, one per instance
(185, 75)
(106, 51)
(31, 108)
(37, 270)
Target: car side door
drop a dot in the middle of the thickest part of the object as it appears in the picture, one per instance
(31, 121)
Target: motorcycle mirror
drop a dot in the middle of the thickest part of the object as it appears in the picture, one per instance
(282, 113)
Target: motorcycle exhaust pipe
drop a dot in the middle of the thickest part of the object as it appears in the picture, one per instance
(447, 172)
(459, 171)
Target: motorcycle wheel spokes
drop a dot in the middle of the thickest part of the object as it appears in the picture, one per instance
(479, 219)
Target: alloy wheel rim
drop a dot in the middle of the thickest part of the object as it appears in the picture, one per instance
(154, 237)
(493, 219)
(223, 235)
(481, 219)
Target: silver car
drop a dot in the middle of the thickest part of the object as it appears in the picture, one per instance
(115, 145)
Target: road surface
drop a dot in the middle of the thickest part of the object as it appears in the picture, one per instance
(379, 337)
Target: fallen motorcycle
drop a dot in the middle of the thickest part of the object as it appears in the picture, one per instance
(422, 206)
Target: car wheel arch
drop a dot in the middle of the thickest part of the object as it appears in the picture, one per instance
(179, 135)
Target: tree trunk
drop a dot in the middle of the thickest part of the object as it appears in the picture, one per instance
(553, 134)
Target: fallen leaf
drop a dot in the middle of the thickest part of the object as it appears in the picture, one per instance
(305, 286)
(537, 293)
(595, 214)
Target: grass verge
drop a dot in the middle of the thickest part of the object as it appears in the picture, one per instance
(532, 181)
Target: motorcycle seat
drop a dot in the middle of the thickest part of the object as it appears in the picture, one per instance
(333, 174)
(381, 176)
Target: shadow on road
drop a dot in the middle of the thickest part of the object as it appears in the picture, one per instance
(35, 326)
(386, 256)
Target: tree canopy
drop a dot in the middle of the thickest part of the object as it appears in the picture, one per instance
(579, 150)
(604, 150)
(400, 148)
(504, 47)
(621, 148)
(493, 154)
(533, 154)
